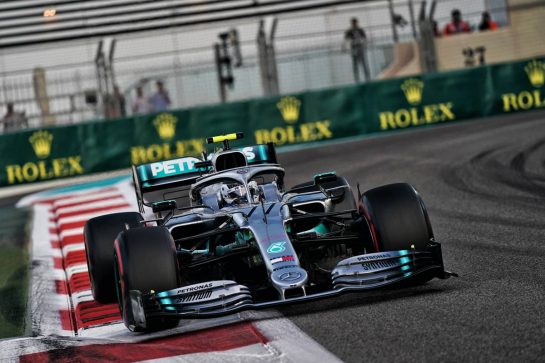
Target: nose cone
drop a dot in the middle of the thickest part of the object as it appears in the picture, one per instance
(290, 277)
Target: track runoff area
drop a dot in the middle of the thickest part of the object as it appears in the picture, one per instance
(484, 185)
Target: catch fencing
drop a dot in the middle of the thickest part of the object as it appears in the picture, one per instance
(309, 56)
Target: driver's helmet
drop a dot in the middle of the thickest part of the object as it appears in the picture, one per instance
(233, 195)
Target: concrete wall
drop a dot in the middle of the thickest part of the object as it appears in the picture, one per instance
(523, 38)
(406, 61)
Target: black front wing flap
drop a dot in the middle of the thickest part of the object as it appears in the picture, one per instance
(358, 273)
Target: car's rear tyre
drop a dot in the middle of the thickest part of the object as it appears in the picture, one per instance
(145, 260)
(99, 234)
(397, 218)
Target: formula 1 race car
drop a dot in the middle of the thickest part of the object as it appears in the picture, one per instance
(228, 236)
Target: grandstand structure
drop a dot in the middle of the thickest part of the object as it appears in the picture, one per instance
(48, 49)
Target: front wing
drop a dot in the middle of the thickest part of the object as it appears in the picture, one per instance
(358, 273)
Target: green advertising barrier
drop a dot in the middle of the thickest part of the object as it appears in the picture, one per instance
(516, 87)
(380, 106)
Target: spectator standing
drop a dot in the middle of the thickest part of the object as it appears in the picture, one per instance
(355, 35)
(141, 104)
(487, 23)
(457, 25)
(119, 102)
(13, 120)
(160, 101)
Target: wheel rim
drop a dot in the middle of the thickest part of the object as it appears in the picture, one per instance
(118, 285)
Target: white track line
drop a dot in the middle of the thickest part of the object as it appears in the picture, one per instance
(45, 303)
(99, 204)
(86, 216)
(86, 196)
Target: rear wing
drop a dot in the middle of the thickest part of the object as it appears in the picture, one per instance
(165, 180)
(260, 154)
(172, 179)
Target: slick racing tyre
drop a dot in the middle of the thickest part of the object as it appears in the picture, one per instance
(99, 234)
(397, 218)
(145, 260)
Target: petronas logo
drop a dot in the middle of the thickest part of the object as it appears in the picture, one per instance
(165, 124)
(535, 70)
(413, 89)
(289, 108)
(41, 143)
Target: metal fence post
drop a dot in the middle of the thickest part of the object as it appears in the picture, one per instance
(40, 92)
(413, 20)
(392, 20)
(105, 77)
(267, 59)
(273, 70)
(428, 59)
(262, 57)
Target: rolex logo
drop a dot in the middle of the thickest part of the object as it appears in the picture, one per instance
(165, 124)
(41, 143)
(413, 90)
(289, 108)
(536, 72)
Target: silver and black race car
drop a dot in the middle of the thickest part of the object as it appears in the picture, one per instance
(228, 236)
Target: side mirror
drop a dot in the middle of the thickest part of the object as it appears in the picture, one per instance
(325, 177)
(166, 205)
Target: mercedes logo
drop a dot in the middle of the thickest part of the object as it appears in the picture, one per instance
(290, 276)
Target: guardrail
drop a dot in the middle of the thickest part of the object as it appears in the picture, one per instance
(396, 104)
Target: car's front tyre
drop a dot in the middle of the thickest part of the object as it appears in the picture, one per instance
(145, 260)
(99, 234)
(397, 218)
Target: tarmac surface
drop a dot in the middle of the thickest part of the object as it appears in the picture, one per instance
(484, 185)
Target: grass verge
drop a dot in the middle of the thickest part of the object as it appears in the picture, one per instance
(14, 272)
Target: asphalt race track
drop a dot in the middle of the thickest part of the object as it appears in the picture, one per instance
(484, 186)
